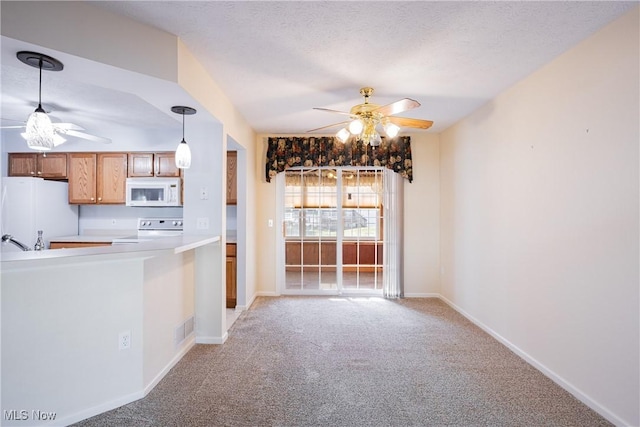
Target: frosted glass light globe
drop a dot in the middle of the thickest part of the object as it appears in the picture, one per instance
(183, 155)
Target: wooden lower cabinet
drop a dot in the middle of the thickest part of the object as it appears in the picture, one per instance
(231, 276)
(68, 245)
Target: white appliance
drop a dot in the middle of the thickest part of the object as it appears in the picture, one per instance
(153, 228)
(153, 191)
(32, 204)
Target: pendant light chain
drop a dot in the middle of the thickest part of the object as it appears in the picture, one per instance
(40, 86)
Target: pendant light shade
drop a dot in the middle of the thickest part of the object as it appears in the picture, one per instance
(183, 152)
(40, 134)
(183, 156)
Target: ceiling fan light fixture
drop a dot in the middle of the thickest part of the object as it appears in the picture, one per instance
(39, 133)
(375, 139)
(183, 152)
(391, 130)
(343, 135)
(356, 126)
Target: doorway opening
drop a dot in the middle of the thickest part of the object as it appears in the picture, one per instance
(332, 237)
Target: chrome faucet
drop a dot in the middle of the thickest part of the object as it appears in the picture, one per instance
(8, 238)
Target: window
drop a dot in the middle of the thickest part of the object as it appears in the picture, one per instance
(311, 199)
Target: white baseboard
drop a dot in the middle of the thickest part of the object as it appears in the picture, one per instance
(185, 349)
(99, 409)
(212, 340)
(416, 295)
(266, 294)
(116, 403)
(542, 368)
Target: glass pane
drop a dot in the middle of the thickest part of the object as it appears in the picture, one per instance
(311, 223)
(147, 194)
(292, 222)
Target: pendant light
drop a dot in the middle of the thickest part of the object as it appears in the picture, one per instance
(40, 134)
(183, 153)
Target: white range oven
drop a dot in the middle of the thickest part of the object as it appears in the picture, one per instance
(153, 228)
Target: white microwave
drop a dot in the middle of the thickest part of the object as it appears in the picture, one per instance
(153, 191)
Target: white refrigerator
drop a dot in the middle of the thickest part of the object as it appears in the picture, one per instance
(32, 204)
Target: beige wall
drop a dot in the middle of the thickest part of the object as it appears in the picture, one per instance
(422, 218)
(539, 236)
(421, 215)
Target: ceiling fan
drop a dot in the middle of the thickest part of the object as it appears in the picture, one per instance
(366, 118)
(60, 129)
(40, 132)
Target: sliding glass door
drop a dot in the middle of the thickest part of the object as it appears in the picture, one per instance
(332, 230)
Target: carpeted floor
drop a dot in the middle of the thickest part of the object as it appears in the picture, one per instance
(320, 361)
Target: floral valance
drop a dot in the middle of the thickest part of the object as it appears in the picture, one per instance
(288, 152)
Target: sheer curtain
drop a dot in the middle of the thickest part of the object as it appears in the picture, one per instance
(393, 274)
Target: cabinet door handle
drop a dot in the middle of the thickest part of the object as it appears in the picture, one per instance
(99, 199)
(150, 173)
(39, 173)
(33, 173)
(92, 199)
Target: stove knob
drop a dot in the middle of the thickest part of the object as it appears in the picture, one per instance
(180, 223)
(175, 223)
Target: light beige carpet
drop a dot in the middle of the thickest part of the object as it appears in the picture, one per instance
(320, 361)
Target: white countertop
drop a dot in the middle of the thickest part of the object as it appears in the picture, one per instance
(175, 244)
(90, 238)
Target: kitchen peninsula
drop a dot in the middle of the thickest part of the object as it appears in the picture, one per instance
(99, 327)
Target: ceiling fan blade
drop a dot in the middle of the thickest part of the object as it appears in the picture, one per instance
(87, 136)
(328, 126)
(67, 126)
(333, 111)
(411, 123)
(397, 107)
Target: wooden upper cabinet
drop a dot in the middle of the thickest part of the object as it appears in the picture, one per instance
(152, 164)
(165, 165)
(232, 185)
(43, 165)
(22, 164)
(97, 178)
(111, 178)
(52, 165)
(82, 178)
(140, 165)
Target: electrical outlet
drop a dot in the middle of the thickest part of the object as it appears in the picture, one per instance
(270, 223)
(204, 193)
(202, 224)
(124, 340)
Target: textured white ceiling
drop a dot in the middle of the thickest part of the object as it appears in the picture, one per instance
(277, 60)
